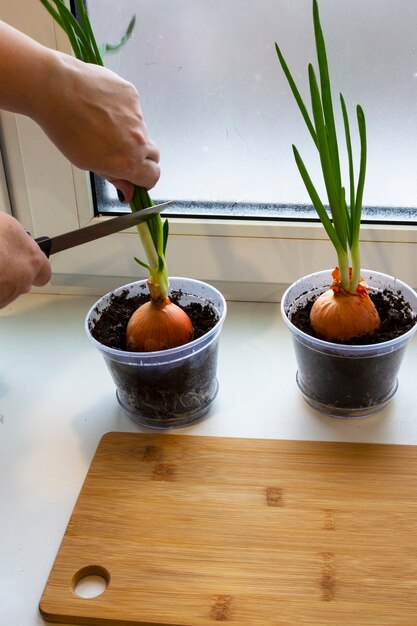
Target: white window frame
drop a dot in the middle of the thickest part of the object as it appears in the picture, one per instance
(247, 259)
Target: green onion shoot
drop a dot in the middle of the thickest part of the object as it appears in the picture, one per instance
(345, 311)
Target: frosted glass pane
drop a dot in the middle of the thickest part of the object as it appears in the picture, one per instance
(216, 101)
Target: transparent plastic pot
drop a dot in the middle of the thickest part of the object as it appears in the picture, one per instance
(346, 381)
(169, 388)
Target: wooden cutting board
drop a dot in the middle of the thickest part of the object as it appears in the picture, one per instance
(197, 530)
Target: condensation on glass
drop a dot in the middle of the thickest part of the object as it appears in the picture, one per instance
(217, 104)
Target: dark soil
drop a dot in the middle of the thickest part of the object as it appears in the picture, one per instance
(110, 328)
(395, 313)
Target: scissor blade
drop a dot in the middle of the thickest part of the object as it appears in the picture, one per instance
(51, 245)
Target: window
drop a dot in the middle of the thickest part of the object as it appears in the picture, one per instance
(217, 104)
(216, 101)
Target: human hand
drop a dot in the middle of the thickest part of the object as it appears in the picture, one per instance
(22, 263)
(92, 115)
(95, 119)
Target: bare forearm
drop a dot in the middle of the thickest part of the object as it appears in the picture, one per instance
(24, 72)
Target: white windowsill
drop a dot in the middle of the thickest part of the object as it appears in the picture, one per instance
(57, 399)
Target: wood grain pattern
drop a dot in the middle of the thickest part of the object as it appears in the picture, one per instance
(195, 531)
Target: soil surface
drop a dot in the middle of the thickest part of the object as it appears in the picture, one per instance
(110, 328)
(395, 313)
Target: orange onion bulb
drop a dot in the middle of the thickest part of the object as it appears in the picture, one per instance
(158, 325)
(339, 315)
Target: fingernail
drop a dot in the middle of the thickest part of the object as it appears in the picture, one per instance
(120, 195)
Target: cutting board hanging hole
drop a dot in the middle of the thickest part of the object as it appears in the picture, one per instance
(90, 582)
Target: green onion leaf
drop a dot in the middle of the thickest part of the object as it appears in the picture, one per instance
(109, 47)
(350, 157)
(145, 265)
(326, 94)
(296, 94)
(343, 228)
